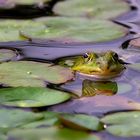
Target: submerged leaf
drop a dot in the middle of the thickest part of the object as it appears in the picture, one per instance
(125, 124)
(31, 96)
(81, 122)
(29, 73)
(91, 8)
(50, 134)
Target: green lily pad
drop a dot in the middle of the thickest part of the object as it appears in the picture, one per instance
(31, 96)
(34, 74)
(92, 88)
(126, 124)
(50, 134)
(78, 30)
(64, 29)
(7, 54)
(91, 8)
(16, 118)
(50, 119)
(10, 29)
(81, 122)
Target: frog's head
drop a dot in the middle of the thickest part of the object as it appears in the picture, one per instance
(106, 64)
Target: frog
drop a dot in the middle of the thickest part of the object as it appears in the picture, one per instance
(100, 65)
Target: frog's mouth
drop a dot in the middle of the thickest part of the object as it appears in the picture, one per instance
(102, 75)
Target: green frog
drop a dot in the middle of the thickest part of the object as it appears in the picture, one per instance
(99, 65)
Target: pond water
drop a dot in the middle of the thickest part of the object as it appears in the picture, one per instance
(127, 95)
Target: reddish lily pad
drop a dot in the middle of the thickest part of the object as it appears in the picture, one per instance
(91, 8)
(29, 73)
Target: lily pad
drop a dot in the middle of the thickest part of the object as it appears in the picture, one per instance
(34, 74)
(126, 124)
(78, 30)
(91, 8)
(10, 29)
(52, 133)
(60, 29)
(81, 122)
(50, 119)
(7, 55)
(16, 118)
(31, 96)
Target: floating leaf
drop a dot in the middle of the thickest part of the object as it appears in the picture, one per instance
(60, 29)
(78, 30)
(31, 96)
(81, 122)
(50, 119)
(50, 134)
(125, 124)
(10, 29)
(7, 54)
(91, 8)
(16, 118)
(92, 88)
(29, 73)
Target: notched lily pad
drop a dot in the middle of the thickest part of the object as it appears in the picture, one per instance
(31, 96)
(34, 74)
(52, 133)
(7, 55)
(79, 30)
(63, 29)
(16, 118)
(126, 124)
(81, 122)
(91, 8)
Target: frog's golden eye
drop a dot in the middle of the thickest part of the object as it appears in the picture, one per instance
(86, 55)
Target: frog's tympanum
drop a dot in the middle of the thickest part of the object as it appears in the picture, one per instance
(99, 65)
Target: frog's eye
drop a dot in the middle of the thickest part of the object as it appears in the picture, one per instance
(115, 56)
(86, 55)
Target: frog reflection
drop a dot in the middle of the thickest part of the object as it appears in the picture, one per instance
(92, 88)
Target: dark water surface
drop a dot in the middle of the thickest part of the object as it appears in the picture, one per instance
(100, 104)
